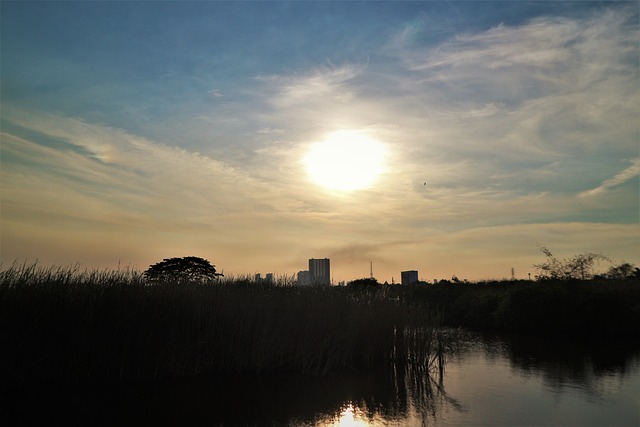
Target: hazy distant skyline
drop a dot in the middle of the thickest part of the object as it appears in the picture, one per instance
(137, 131)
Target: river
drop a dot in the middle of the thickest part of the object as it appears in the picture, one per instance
(489, 380)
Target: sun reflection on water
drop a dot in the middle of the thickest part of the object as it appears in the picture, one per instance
(351, 417)
(354, 415)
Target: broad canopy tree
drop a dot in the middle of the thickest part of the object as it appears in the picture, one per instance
(182, 270)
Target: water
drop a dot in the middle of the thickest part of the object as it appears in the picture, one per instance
(536, 382)
(489, 380)
(513, 381)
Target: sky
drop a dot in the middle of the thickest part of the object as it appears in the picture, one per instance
(137, 131)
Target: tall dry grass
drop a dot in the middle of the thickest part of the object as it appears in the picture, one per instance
(75, 325)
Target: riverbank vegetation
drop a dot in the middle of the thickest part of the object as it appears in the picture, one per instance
(601, 308)
(65, 324)
(75, 326)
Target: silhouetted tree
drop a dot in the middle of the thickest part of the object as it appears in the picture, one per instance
(578, 267)
(622, 271)
(186, 269)
(368, 281)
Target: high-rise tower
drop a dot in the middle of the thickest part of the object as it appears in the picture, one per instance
(409, 277)
(320, 271)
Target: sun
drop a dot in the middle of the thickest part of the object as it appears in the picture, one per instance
(345, 160)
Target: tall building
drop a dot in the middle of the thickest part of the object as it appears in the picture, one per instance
(304, 278)
(409, 277)
(320, 271)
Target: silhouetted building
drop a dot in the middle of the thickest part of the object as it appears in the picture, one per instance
(258, 278)
(304, 278)
(269, 278)
(320, 271)
(409, 277)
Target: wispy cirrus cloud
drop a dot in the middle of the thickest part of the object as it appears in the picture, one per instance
(620, 178)
(128, 163)
(547, 53)
(310, 86)
(552, 91)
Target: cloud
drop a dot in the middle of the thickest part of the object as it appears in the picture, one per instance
(549, 88)
(320, 82)
(125, 173)
(551, 93)
(269, 130)
(582, 49)
(66, 181)
(618, 179)
(506, 125)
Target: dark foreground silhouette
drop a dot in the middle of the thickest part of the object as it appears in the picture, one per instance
(74, 327)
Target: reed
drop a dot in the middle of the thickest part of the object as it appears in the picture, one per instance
(67, 324)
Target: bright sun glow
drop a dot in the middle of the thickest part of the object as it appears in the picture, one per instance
(349, 417)
(346, 160)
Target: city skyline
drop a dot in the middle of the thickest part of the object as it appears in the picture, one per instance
(453, 138)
